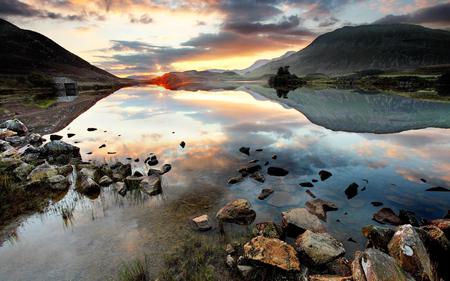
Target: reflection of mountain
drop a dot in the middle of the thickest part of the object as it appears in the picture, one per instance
(350, 111)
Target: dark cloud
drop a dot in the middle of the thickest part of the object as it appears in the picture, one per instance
(14, 8)
(144, 19)
(439, 14)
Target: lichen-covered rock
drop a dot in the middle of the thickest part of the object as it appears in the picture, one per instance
(10, 163)
(296, 221)
(320, 248)
(151, 184)
(273, 252)
(378, 237)
(42, 172)
(23, 170)
(410, 253)
(15, 125)
(268, 229)
(238, 211)
(320, 208)
(58, 182)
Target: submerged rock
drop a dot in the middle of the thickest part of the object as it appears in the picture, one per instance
(411, 218)
(376, 203)
(324, 175)
(202, 222)
(320, 248)
(268, 229)
(266, 192)
(386, 215)
(408, 250)
(378, 237)
(277, 171)
(258, 177)
(306, 184)
(245, 150)
(238, 211)
(15, 125)
(151, 185)
(55, 137)
(249, 169)
(273, 252)
(297, 221)
(235, 180)
(351, 191)
(320, 208)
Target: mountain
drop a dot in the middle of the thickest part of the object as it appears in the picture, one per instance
(23, 52)
(194, 79)
(351, 49)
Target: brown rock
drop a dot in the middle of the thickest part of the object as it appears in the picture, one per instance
(386, 215)
(268, 229)
(442, 224)
(266, 192)
(378, 266)
(296, 221)
(357, 270)
(378, 237)
(239, 212)
(320, 248)
(235, 180)
(320, 208)
(151, 184)
(329, 278)
(272, 251)
(202, 222)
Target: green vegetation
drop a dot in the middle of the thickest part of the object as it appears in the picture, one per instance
(134, 271)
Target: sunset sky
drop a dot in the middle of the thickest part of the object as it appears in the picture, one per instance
(139, 37)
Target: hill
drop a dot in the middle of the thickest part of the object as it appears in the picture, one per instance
(350, 49)
(24, 52)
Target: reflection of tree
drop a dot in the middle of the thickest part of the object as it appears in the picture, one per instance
(283, 93)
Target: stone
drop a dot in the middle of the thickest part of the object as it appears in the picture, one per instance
(268, 229)
(378, 237)
(6, 133)
(340, 266)
(438, 247)
(23, 170)
(58, 182)
(274, 157)
(120, 188)
(386, 215)
(320, 208)
(182, 144)
(35, 138)
(91, 129)
(374, 265)
(249, 169)
(257, 176)
(16, 140)
(105, 181)
(230, 261)
(273, 252)
(296, 221)
(442, 224)
(55, 137)
(266, 192)
(245, 270)
(4, 146)
(166, 168)
(132, 182)
(92, 173)
(151, 185)
(351, 191)
(324, 175)
(120, 171)
(238, 211)
(60, 152)
(245, 150)
(88, 186)
(229, 249)
(234, 180)
(438, 189)
(306, 184)
(409, 217)
(410, 253)
(151, 160)
(277, 171)
(202, 222)
(15, 125)
(320, 248)
(137, 174)
(10, 163)
(329, 278)
(42, 172)
(376, 203)
(70, 135)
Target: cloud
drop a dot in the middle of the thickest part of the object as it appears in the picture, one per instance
(14, 8)
(438, 14)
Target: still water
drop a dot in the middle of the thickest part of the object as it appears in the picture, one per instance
(384, 143)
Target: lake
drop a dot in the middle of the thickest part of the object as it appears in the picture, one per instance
(384, 143)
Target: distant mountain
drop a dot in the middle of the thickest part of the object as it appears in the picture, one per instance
(350, 49)
(192, 79)
(23, 52)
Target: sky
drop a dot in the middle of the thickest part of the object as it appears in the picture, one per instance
(150, 37)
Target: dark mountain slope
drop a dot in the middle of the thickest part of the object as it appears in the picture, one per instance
(350, 49)
(23, 52)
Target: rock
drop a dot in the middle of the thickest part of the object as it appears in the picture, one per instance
(245, 150)
(69, 135)
(296, 221)
(166, 168)
(16, 140)
(55, 137)
(259, 150)
(376, 203)
(151, 160)
(340, 266)
(58, 182)
(88, 186)
(386, 215)
(137, 174)
(274, 157)
(314, 180)
(253, 161)
(410, 217)
(90, 172)
(60, 152)
(238, 211)
(320, 208)
(442, 224)
(268, 229)
(120, 188)
(246, 270)
(105, 181)
(351, 191)
(202, 222)
(320, 248)
(378, 237)
(257, 176)
(120, 171)
(374, 265)
(306, 184)
(438, 189)
(310, 193)
(249, 169)
(273, 252)
(4, 146)
(230, 261)
(438, 248)
(102, 146)
(23, 170)
(132, 182)
(277, 171)
(235, 180)
(42, 172)
(229, 249)
(324, 175)
(6, 133)
(410, 253)
(151, 185)
(266, 192)
(329, 278)
(10, 163)
(15, 125)
(35, 138)
(91, 129)
(182, 144)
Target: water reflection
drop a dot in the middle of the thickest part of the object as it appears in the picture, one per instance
(137, 121)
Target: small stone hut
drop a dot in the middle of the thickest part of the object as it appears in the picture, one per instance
(65, 86)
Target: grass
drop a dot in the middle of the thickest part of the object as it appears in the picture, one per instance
(134, 271)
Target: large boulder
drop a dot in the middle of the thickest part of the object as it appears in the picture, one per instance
(15, 125)
(378, 237)
(90, 172)
(374, 265)
(60, 152)
(296, 221)
(238, 211)
(443, 224)
(410, 253)
(273, 252)
(320, 248)
(320, 208)
(151, 184)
